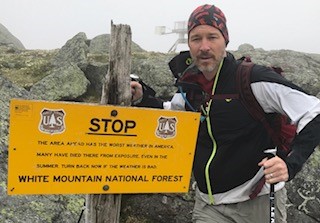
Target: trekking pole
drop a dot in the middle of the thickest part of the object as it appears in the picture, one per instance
(82, 210)
(272, 208)
(271, 153)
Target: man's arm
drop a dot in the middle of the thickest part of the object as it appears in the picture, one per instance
(276, 94)
(303, 146)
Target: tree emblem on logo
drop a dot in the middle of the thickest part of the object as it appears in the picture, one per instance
(52, 121)
(166, 127)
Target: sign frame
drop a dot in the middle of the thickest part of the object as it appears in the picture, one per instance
(77, 148)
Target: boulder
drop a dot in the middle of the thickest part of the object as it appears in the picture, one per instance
(302, 69)
(74, 51)
(304, 192)
(6, 38)
(96, 73)
(65, 83)
(100, 44)
(8, 90)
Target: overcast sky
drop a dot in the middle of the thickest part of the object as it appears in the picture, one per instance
(269, 24)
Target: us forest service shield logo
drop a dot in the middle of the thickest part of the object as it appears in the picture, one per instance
(52, 121)
(166, 127)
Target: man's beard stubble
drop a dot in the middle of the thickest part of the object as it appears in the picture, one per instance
(210, 67)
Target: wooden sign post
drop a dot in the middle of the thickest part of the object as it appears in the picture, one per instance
(116, 90)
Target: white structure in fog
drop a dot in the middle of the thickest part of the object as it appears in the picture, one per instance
(180, 28)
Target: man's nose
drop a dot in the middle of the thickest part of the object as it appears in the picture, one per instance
(205, 45)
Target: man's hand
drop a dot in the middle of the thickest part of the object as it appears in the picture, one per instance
(275, 170)
(136, 91)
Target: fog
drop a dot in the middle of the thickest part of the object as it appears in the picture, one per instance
(273, 24)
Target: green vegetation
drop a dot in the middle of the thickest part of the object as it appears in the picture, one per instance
(27, 67)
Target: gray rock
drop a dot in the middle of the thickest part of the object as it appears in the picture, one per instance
(6, 38)
(159, 208)
(244, 48)
(64, 83)
(74, 51)
(304, 191)
(8, 91)
(301, 68)
(96, 73)
(153, 69)
(101, 44)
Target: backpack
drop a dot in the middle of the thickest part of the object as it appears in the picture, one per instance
(279, 127)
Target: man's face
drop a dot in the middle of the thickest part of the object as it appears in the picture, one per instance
(207, 49)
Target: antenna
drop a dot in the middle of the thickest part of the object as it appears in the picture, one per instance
(180, 28)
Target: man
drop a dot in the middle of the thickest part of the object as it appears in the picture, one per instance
(230, 158)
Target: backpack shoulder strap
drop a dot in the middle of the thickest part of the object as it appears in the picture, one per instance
(243, 81)
(243, 76)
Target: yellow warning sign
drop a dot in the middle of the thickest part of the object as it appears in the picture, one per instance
(73, 148)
